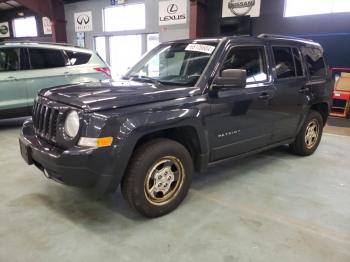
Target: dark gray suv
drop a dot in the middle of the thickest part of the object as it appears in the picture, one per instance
(185, 106)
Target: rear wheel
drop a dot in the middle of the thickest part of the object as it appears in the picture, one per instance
(158, 177)
(309, 136)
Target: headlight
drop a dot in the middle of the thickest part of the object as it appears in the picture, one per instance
(72, 124)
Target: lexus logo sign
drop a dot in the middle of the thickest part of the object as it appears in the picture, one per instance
(172, 9)
(172, 12)
(83, 21)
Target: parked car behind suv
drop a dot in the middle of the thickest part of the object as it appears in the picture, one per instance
(185, 106)
(26, 68)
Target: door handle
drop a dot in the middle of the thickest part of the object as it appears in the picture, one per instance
(304, 90)
(12, 78)
(67, 74)
(265, 96)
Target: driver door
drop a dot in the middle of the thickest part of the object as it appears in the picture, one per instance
(240, 119)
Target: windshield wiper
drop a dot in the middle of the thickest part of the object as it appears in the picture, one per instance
(146, 78)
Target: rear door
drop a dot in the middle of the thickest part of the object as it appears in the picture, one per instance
(48, 69)
(13, 93)
(240, 119)
(290, 99)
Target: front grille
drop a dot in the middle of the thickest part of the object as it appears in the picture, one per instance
(45, 119)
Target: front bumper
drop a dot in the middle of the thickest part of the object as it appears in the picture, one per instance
(77, 166)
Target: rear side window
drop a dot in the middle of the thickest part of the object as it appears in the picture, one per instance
(78, 58)
(46, 58)
(10, 59)
(297, 61)
(315, 62)
(284, 62)
(252, 59)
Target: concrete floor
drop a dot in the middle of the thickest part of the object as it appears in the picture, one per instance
(270, 207)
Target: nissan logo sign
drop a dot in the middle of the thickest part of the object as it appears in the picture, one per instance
(172, 8)
(83, 19)
(241, 7)
(4, 29)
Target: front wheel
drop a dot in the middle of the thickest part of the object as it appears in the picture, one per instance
(309, 136)
(158, 177)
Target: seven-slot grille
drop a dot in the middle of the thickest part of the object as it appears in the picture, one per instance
(45, 121)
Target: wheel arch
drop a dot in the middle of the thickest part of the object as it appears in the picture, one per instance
(323, 109)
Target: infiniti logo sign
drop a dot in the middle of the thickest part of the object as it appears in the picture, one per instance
(83, 19)
(172, 8)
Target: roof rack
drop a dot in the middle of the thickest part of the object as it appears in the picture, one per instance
(283, 37)
(37, 42)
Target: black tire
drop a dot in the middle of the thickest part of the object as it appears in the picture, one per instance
(144, 170)
(301, 146)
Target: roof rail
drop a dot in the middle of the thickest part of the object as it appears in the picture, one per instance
(37, 42)
(283, 37)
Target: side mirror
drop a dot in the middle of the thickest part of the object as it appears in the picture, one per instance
(231, 78)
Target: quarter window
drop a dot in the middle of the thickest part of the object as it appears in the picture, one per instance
(46, 58)
(251, 59)
(315, 62)
(77, 58)
(284, 62)
(9, 59)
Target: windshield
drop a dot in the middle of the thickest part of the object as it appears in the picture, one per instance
(174, 64)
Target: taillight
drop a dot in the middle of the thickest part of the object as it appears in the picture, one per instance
(104, 70)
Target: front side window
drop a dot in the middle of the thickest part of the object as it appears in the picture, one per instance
(251, 59)
(9, 59)
(315, 62)
(46, 58)
(284, 62)
(174, 64)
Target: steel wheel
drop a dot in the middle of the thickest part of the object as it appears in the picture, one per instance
(312, 133)
(164, 180)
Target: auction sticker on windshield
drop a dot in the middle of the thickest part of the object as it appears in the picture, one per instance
(208, 49)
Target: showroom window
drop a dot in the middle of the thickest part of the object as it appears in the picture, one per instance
(25, 27)
(46, 58)
(315, 7)
(284, 62)
(251, 59)
(124, 17)
(315, 62)
(100, 47)
(9, 59)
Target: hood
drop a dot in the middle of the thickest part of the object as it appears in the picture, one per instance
(109, 95)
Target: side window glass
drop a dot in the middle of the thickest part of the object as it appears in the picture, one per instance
(252, 59)
(9, 59)
(77, 58)
(46, 58)
(298, 62)
(315, 62)
(284, 62)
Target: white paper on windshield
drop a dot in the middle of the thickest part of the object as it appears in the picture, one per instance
(208, 49)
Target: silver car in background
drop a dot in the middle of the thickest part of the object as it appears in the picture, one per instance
(26, 68)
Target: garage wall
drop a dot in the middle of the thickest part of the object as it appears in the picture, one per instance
(9, 15)
(96, 6)
(331, 30)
